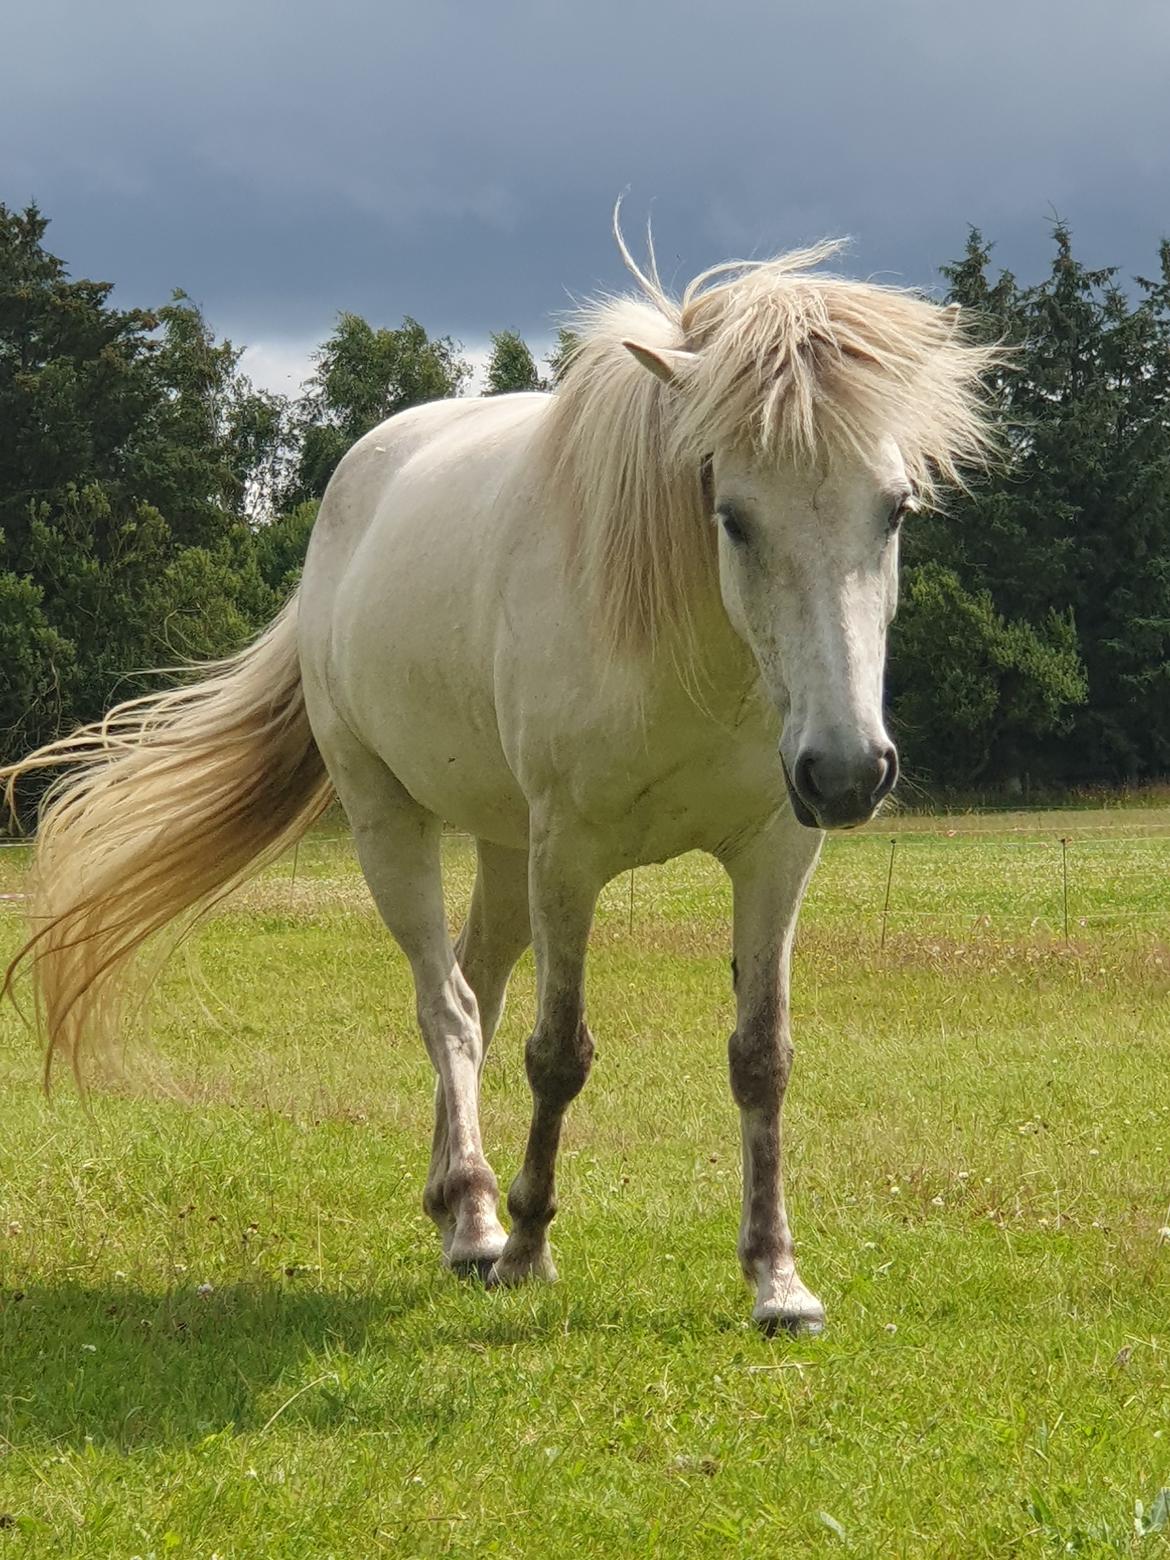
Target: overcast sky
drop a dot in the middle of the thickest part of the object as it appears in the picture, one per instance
(458, 159)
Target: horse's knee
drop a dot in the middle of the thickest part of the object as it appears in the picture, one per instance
(558, 1057)
(450, 1025)
(759, 1057)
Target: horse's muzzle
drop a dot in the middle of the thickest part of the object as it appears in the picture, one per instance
(832, 792)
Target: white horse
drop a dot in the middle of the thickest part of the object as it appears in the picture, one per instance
(643, 615)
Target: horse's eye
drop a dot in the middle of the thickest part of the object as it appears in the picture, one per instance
(899, 512)
(732, 527)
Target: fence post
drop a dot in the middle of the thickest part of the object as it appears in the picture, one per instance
(889, 882)
(1064, 878)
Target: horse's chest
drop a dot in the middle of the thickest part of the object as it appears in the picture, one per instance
(702, 799)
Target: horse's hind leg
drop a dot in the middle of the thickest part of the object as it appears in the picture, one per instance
(495, 935)
(398, 847)
(497, 931)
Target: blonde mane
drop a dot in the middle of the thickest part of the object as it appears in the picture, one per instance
(792, 363)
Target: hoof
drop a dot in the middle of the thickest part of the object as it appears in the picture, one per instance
(512, 1269)
(477, 1268)
(785, 1307)
(791, 1324)
(473, 1253)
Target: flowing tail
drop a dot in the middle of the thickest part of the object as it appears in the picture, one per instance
(164, 807)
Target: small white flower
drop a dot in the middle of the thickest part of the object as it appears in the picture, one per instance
(204, 1290)
(891, 1327)
(90, 1348)
(937, 1202)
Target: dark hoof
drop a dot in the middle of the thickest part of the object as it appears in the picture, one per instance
(476, 1268)
(794, 1326)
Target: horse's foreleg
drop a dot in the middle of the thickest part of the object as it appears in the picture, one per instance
(398, 845)
(563, 892)
(768, 878)
(496, 933)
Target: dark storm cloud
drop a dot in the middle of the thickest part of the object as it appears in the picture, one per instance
(458, 161)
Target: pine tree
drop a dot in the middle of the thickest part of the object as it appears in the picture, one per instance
(1075, 526)
(562, 354)
(129, 443)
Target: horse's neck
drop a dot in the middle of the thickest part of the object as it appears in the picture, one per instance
(707, 663)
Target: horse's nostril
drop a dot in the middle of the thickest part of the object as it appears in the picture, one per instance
(804, 778)
(888, 777)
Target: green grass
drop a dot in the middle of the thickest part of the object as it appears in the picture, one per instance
(978, 1164)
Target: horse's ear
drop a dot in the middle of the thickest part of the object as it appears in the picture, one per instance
(664, 363)
(950, 317)
(861, 354)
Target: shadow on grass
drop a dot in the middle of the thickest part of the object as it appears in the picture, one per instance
(121, 1367)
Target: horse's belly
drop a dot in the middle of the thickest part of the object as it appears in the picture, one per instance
(462, 781)
(437, 734)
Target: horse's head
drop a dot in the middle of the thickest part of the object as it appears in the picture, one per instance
(808, 572)
(819, 406)
(818, 409)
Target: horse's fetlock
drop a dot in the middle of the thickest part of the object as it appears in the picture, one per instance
(527, 1208)
(469, 1182)
(434, 1202)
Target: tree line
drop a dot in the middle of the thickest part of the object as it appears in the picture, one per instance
(155, 507)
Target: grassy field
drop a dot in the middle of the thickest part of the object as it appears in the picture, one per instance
(224, 1330)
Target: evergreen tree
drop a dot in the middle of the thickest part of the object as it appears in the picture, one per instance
(281, 546)
(75, 380)
(123, 470)
(562, 354)
(1078, 520)
(975, 690)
